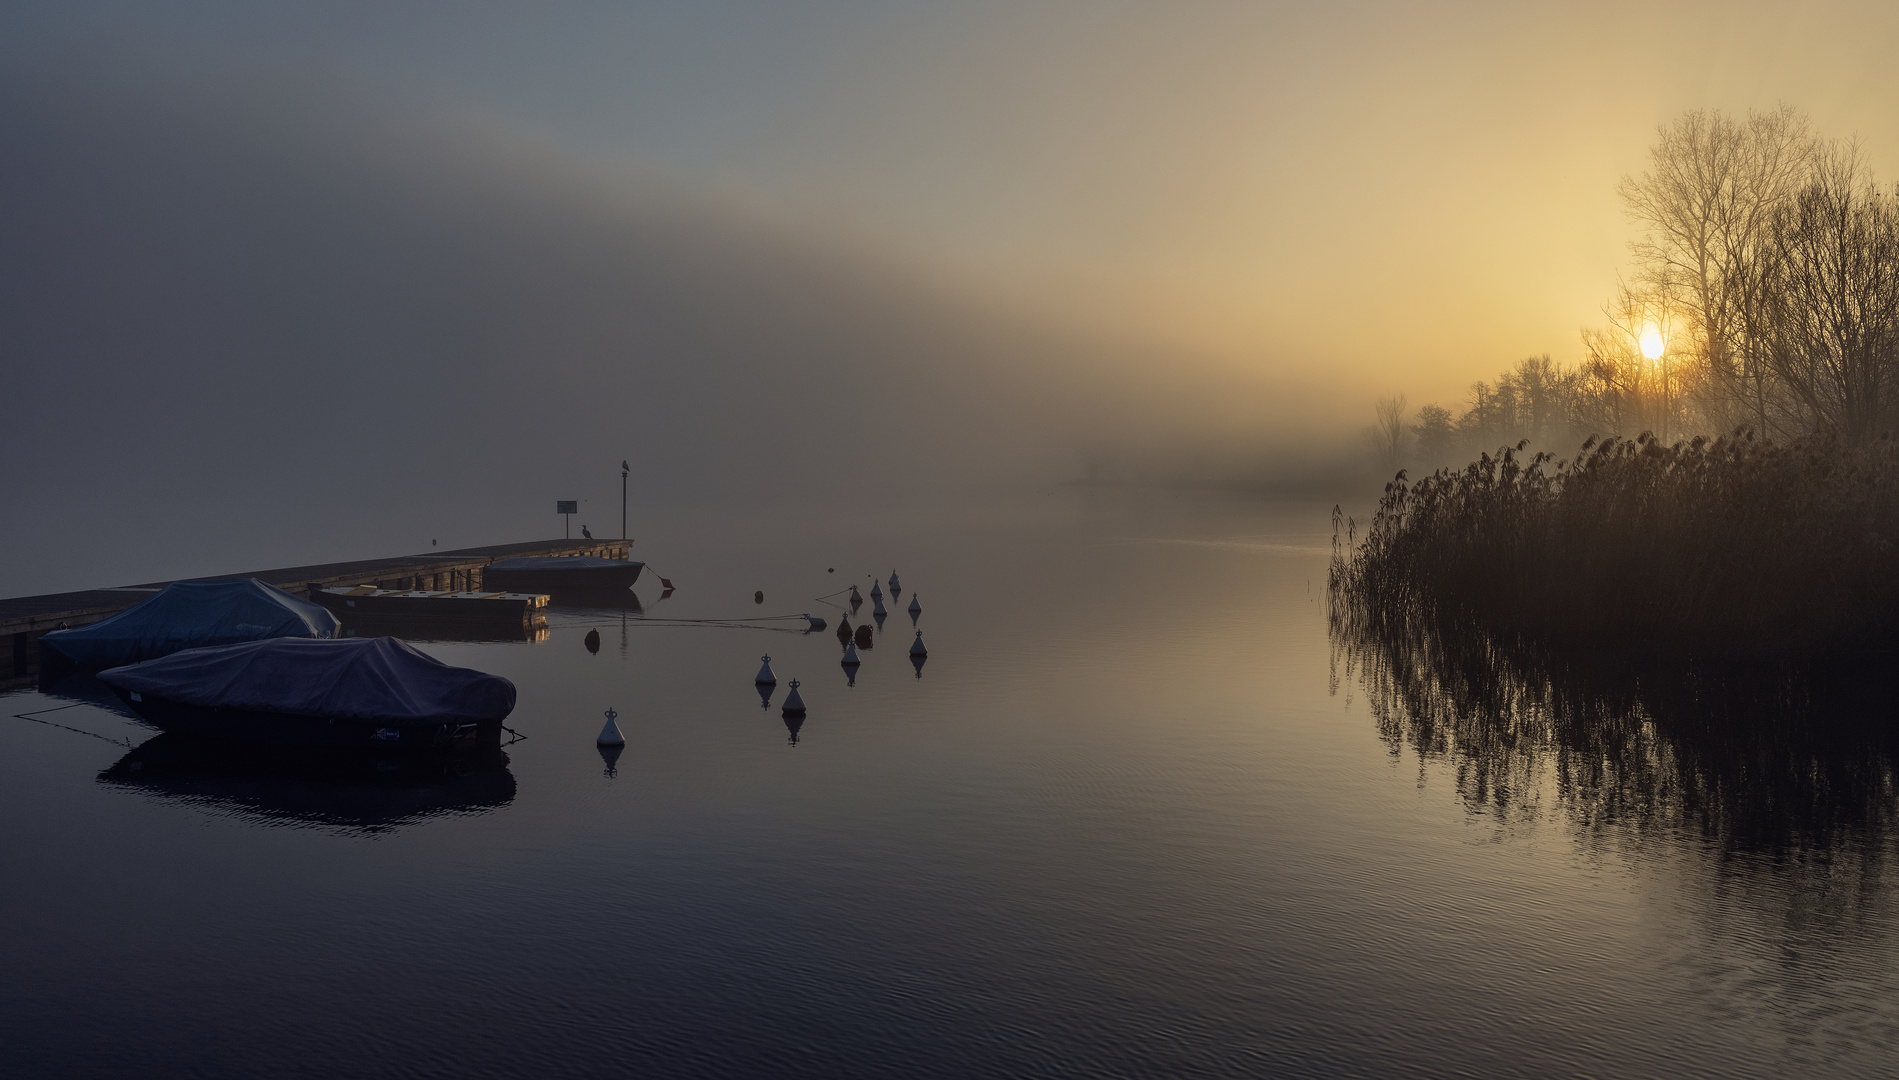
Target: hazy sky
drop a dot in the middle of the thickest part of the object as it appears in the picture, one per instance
(1374, 184)
(959, 240)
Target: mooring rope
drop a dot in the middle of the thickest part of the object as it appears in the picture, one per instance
(34, 716)
(742, 623)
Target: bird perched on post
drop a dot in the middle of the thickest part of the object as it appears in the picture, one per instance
(585, 533)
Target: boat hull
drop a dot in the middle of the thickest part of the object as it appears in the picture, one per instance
(578, 580)
(522, 608)
(288, 729)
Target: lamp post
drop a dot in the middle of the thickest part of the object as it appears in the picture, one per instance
(623, 471)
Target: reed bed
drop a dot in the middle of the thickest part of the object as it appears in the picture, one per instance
(1732, 548)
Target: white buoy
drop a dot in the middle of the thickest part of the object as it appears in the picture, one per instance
(850, 655)
(610, 735)
(877, 607)
(794, 705)
(765, 677)
(916, 647)
(875, 592)
(915, 608)
(816, 623)
(893, 581)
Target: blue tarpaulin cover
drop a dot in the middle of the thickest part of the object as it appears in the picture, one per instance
(190, 614)
(346, 678)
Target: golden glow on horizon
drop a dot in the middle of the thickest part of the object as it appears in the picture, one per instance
(1652, 342)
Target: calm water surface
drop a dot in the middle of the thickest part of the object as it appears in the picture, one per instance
(1136, 816)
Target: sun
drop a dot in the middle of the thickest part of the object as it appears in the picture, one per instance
(1652, 342)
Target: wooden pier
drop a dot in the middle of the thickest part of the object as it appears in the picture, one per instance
(24, 618)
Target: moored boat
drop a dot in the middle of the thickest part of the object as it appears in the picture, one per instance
(185, 615)
(378, 693)
(561, 574)
(351, 601)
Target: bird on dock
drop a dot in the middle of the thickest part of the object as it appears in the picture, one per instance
(585, 533)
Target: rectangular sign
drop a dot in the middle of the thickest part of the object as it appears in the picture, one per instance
(567, 506)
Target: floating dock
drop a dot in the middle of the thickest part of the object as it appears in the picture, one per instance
(24, 618)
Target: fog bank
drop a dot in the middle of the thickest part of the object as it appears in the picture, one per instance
(250, 322)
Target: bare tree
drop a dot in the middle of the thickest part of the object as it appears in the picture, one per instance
(1828, 284)
(1625, 391)
(1713, 186)
(1388, 434)
(1435, 432)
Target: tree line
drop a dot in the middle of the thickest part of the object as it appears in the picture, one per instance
(1764, 294)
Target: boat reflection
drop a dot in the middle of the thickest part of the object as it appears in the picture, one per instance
(340, 790)
(1755, 760)
(420, 630)
(614, 600)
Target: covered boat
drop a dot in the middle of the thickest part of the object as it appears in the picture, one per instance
(561, 574)
(365, 692)
(187, 615)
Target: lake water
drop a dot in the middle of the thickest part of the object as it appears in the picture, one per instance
(1137, 815)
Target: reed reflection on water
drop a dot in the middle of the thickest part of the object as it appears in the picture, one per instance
(1774, 790)
(1752, 758)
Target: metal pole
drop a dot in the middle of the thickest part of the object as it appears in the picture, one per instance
(623, 471)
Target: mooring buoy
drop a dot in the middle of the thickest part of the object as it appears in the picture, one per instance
(915, 608)
(815, 622)
(610, 735)
(875, 592)
(794, 704)
(764, 673)
(916, 647)
(850, 655)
